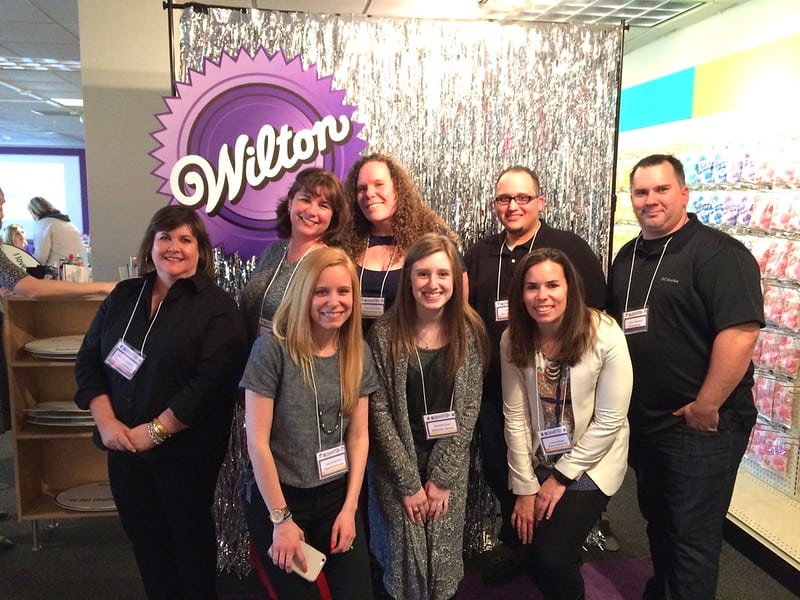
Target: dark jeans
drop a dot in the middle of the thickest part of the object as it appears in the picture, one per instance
(165, 509)
(555, 556)
(494, 457)
(685, 481)
(314, 510)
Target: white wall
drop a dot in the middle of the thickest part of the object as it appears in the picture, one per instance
(746, 26)
(125, 73)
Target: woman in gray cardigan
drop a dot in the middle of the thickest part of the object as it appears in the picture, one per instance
(430, 352)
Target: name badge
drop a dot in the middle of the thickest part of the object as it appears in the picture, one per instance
(501, 310)
(124, 359)
(372, 307)
(264, 325)
(440, 425)
(634, 321)
(332, 462)
(554, 440)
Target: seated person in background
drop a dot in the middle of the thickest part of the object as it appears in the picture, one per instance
(15, 235)
(54, 237)
(16, 280)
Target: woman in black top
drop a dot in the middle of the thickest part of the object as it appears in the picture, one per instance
(158, 369)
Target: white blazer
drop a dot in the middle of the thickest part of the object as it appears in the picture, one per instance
(600, 385)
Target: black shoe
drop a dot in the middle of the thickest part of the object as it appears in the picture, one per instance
(6, 543)
(3, 515)
(500, 565)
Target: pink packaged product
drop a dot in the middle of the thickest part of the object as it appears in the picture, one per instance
(782, 404)
(778, 353)
(762, 395)
(794, 216)
(789, 318)
(781, 212)
(769, 449)
(761, 217)
(761, 248)
(792, 271)
(773, 304)
(788, 359)
(776, 265)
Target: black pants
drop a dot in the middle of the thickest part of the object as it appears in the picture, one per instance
(685, 480)
(165, 507)
(494, 456)
(555, 557)
(314, 510)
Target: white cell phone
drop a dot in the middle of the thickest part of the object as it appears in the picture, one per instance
(315, 560)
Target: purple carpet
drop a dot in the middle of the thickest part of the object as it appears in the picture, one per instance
(604, 580)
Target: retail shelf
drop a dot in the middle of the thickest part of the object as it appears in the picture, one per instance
(767, 515)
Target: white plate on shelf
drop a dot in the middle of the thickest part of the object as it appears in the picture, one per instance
(57, 408)
(60, 421)
(90, 497)
(53, 356)
(64, 346)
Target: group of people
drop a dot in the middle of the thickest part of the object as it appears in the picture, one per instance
(376, 352)
(55, 237)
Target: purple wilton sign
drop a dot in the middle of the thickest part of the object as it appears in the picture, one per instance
(236, 134)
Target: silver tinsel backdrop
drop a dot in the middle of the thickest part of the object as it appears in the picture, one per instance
(456, 102)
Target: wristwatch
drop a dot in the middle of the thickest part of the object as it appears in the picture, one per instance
(280, 515)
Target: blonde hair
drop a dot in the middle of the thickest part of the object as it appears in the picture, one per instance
(458, 316)
(292, 323)
(12, 230)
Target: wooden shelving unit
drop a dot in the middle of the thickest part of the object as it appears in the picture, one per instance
(47, 460)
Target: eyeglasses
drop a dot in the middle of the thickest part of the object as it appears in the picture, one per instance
(521, 199)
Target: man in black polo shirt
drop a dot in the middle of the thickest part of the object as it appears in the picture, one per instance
(689, 300)
(491, 263)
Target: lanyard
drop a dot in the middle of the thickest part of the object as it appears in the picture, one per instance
(560, 398)
(277, 270)
(319, 412)
(500, 258)
(422, 379)
(630, 277)
(385, 274)
(141, 350)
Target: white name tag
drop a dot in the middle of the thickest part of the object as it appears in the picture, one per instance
(501, 310)
(554, 440)
(372, 307)
(264, 326)
(635, 321)
(440, 425)
(332, 461)
(124, 359)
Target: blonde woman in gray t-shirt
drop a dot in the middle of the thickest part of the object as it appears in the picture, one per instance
(306, 388)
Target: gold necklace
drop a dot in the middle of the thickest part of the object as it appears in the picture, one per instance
(552, 369)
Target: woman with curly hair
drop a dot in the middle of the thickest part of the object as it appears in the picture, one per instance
(388, 215)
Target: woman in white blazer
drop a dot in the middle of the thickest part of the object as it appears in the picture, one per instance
(567, 381)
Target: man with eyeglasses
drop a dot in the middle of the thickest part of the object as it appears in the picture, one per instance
(491, 263)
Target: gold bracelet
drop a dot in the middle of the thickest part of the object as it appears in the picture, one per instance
(154, 437)
(160, 430)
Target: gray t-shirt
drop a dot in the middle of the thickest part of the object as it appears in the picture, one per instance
(295, 436)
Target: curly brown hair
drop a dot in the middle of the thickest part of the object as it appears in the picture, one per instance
(412, 218)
